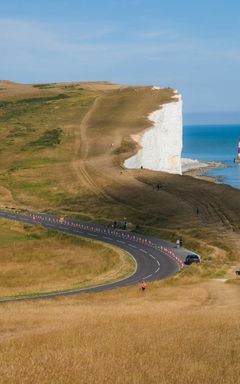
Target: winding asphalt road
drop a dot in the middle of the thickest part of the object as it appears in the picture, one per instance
(155, 259)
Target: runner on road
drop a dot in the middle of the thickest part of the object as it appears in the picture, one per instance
(143, 285)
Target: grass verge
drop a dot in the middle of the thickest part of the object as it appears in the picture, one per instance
(36, 261)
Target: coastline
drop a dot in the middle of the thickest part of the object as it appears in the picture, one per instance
(196, 168)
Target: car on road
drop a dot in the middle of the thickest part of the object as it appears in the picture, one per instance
(192, 258)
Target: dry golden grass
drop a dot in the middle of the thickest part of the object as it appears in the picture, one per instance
(34, 260)
(170, 335)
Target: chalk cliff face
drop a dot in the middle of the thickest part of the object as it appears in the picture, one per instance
(161, 145)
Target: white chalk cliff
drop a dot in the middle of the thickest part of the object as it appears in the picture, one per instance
(161, 144)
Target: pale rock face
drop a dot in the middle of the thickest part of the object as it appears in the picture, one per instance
(161, 145)
(189, 164)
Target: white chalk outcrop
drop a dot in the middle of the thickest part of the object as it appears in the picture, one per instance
(161, 145)
(190, 164)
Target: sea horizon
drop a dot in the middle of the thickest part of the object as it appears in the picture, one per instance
(211, 118)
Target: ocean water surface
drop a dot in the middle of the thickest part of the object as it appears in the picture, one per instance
(217, 143)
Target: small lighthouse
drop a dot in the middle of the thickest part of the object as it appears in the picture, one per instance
(237, 160)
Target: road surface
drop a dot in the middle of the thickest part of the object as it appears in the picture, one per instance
(155, 259)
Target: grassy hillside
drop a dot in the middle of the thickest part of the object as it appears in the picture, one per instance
(34, 260)
(44, 136)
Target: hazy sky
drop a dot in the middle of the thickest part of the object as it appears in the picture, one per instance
(193, 46)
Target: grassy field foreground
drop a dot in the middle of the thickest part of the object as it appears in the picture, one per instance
(35, 260)
(166, 335)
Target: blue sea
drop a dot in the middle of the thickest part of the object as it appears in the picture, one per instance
(217, 143)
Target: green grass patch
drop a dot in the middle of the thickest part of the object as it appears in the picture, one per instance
(43, 99)
(31, 186)
(32, 100)
(15, 108)
(50, 138)
(44, 85)
(32, 163)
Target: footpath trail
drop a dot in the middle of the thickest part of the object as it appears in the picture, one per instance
(155, 259)
(221, 294)
(81, 148)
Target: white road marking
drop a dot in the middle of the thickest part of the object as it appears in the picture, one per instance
(133, 246)
(158, 262)
(143, 250)
(122, 242)
(157, 270)
(152, 257)
(146, 277)
(108, 238)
